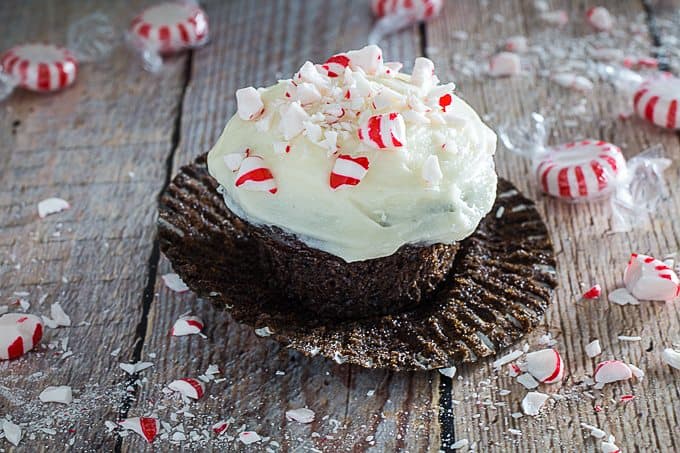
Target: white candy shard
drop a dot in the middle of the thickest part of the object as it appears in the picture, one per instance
(621, 296)
(449, 372)
(423, 73)
(516, 44)
(432, 172)
(671, 357)
(249, 437)
(600, 18)
(368, 58)
(609, 447)
(263, 331)
(187, 325)
(504, 64)
(302, 415)
(558, 17)
(307, 93)
(132, 368)
(527, 380)
(461, 443)
(637, 372)
(189, 387)
(51, 206)
(545, 365)
(293, 117)
(13, 432)
(533, 402)
(61, 394)
(174, 283)
(573, 81)
(507, 358)
(249, 103)
(593, 349)
(648, 278)
(612, 371)
(233, 160)
(594, 431)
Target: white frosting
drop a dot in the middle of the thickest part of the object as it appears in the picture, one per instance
(433, 189)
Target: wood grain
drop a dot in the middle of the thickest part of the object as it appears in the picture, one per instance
(101, 145)
(587, 254)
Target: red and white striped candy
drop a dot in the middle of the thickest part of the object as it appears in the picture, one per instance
(420, 9)
(504, 64)
(335, 65)
(383, 131)
(171, 26)
(147, 427)
(656, 100)
(650, 279)
(187, 325)
(545, 365)
(19, 333)
(612, 371)
(599, 18)
(253, 175)
(40, 67)
(348, 171)
(368, 58)
(593, 293)
(189, 387)
(581, 170)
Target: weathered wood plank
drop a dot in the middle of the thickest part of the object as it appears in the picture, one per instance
(102, 146)
(587, 253)
(256, 45)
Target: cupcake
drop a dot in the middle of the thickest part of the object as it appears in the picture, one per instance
(356, 181)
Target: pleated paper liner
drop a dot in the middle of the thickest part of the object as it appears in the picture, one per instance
(502, 282)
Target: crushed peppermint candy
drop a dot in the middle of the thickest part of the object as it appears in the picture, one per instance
(264, 331)
(52, 206)
(133, 368)
(593, 293)
(593, 349)
(545, 365)
(533, 402)
(611, 371)
(61, 394)
(509, 357)
(671, 357)
(249, 437)
(147, 427)
(302, 415)
(249, 104)
(188, 387)
(504, 64)
(648, 278)
(187, 325)
(600, 18)
(174, 282)
(622, 296)
(449, 372)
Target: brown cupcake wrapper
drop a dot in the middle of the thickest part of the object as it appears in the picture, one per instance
(501, 283)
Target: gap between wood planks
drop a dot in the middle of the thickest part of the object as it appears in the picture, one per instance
(154, 259)
(446, 418)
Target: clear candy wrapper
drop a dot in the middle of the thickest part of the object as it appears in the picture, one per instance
(655, 98)
(44, 68)
(591, 170)
(167, 28)
(393, 15)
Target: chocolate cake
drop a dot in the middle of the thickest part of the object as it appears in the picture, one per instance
(356, 182)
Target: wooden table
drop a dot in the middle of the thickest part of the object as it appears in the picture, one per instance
(111, 143)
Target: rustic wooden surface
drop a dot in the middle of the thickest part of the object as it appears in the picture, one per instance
(104, 266)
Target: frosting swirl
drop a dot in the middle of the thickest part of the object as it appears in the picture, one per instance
(357, 159)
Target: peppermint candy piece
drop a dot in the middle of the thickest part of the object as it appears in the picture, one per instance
(220, 427)
(671, 357)
(593, 293)
(147, 427)
(656, 100)
(650, 279)
(611, 371)
(233, 160)
(348, 171)
(516, 44)
(582, 170)
(599, 18)
(335, 65)
(423, 73)
(593, 349)
(40, 67)
(249, 104)
(187, 325)
(533, 402)
(189, 387)
(418, 9)
(174, 282)
(171, 26)
(249, 437)
(253, 175)
(12, 432)
(383, 131)
(545, 365)
(61, 394)
(504, 64)
(302, 415)
(573, 81)
(369, 59)
(19, 333)
(52, 206)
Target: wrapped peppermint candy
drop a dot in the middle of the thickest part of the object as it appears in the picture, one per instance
(655, 98)
(590, 170)
(46, 67)
(393, 15)
(167, 28)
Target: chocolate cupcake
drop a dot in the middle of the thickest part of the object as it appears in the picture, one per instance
(356, 181)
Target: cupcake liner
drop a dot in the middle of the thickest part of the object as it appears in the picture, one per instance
(501, 283)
